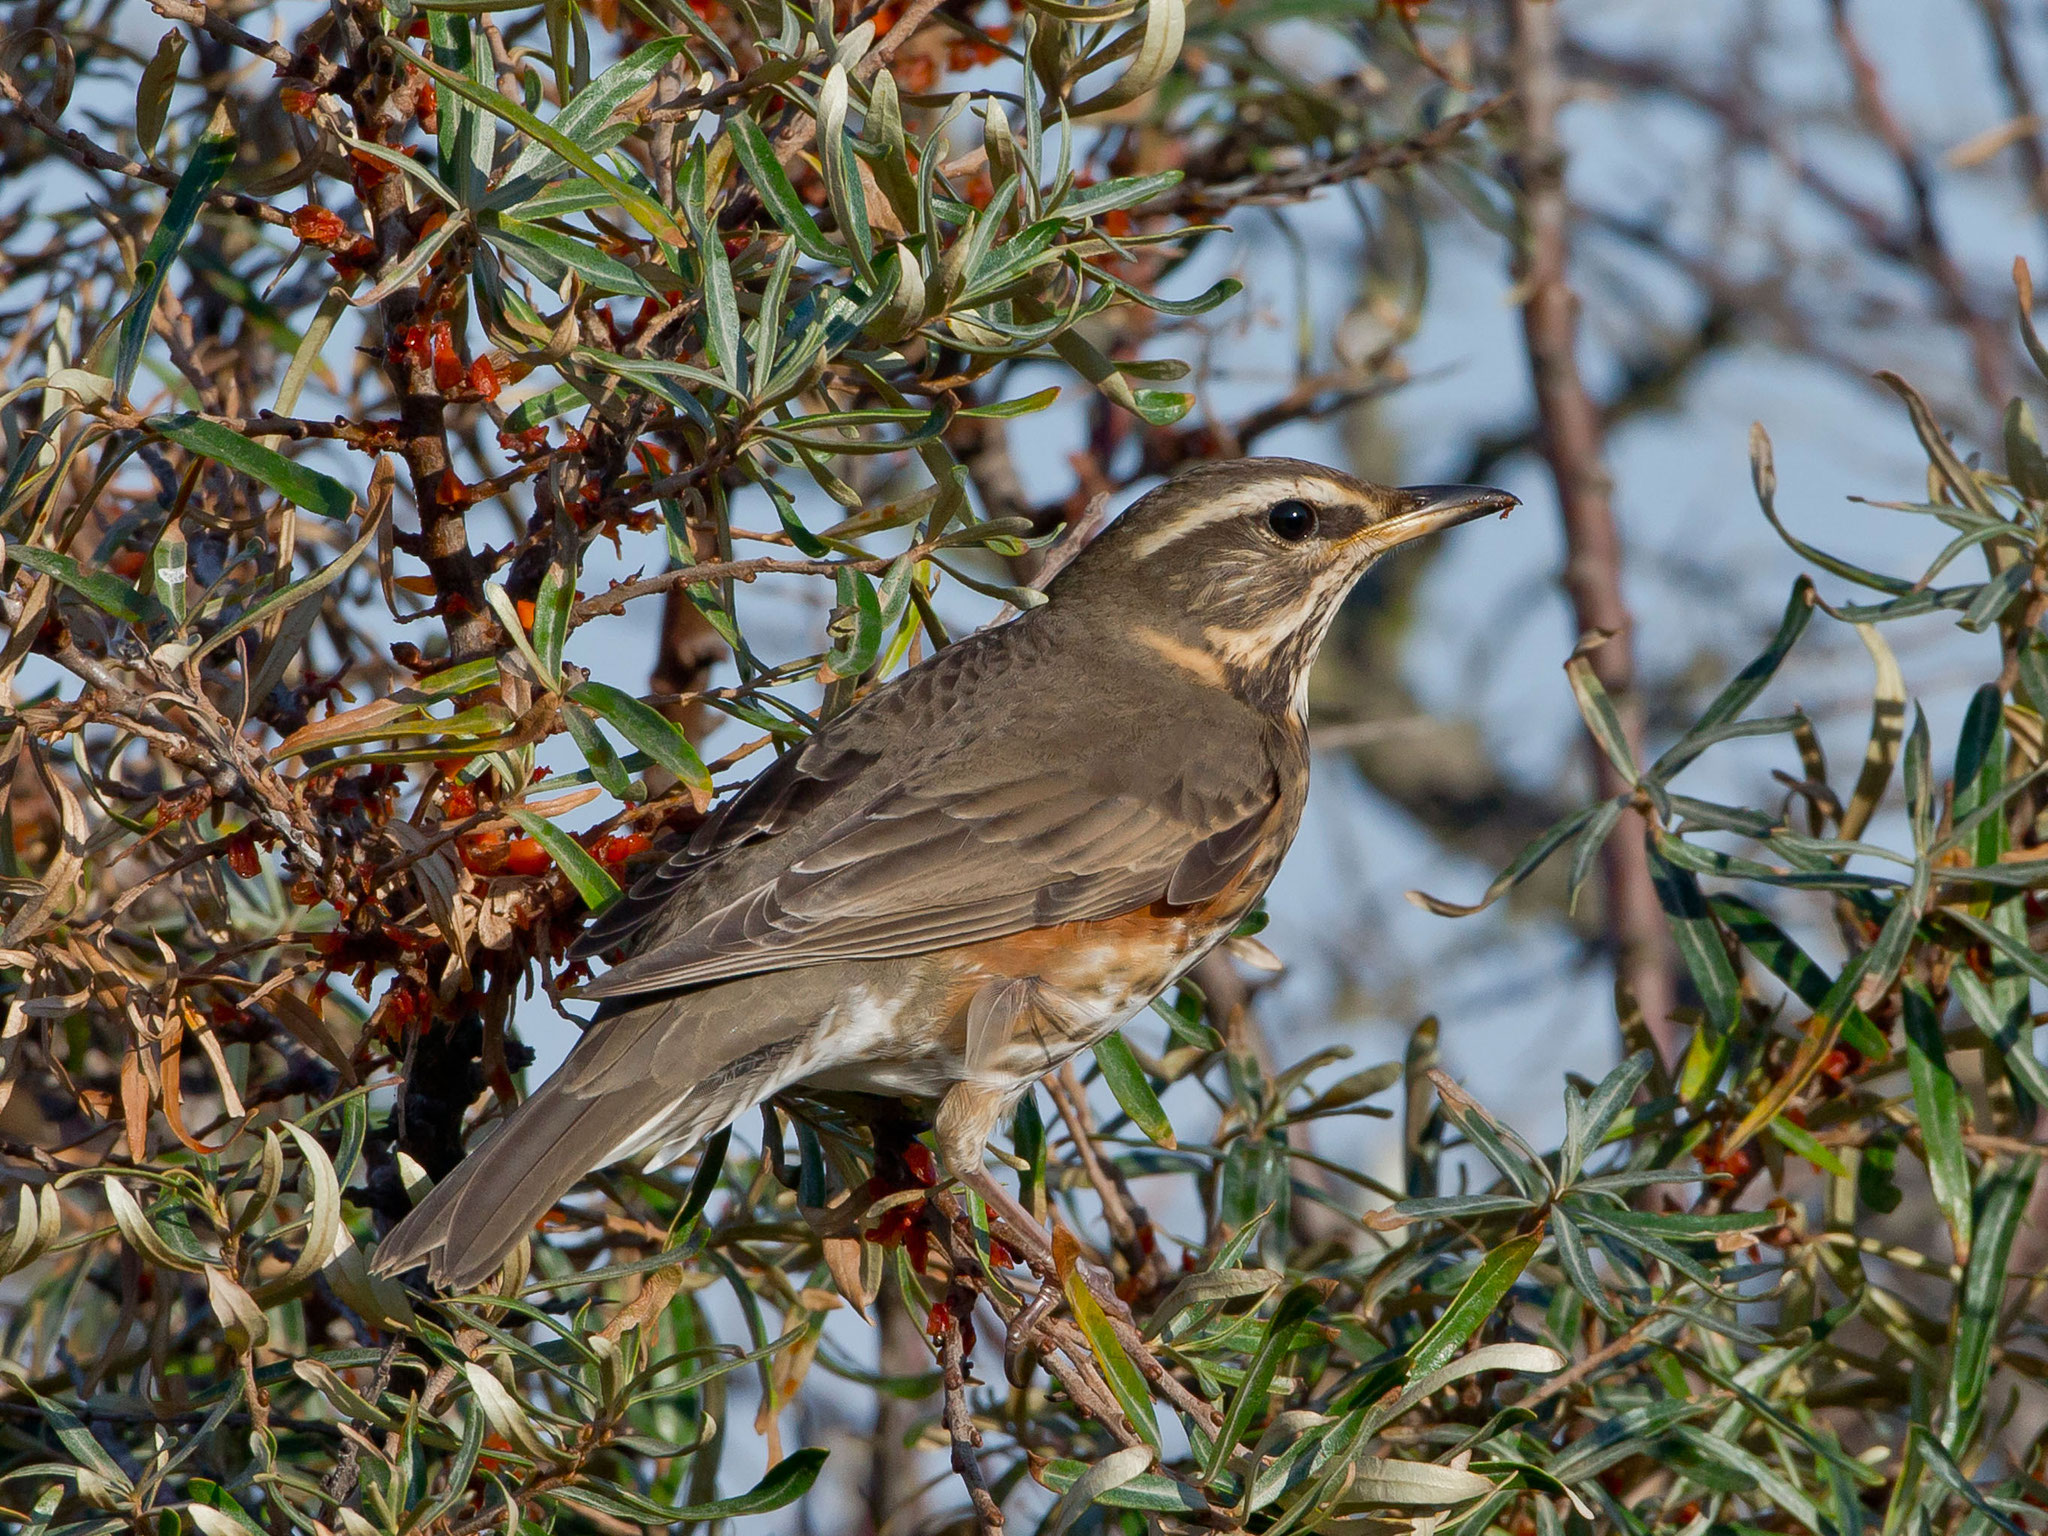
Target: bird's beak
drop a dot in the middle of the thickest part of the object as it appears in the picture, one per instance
(1431, 507)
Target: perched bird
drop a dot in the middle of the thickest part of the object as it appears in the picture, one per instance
(982, 867)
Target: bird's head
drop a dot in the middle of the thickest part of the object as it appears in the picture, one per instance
(1235, 570)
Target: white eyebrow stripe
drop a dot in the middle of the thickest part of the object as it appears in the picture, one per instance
(1202, 514)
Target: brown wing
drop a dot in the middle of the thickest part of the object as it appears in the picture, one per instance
(955, 805)
(915, 870)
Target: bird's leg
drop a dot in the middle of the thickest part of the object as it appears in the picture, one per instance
(967, 1114)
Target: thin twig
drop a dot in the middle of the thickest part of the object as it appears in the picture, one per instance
(1572, 441)
(960, 1426)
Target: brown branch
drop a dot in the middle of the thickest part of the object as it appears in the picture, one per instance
(86, 153)
(1199, 196)
(1987, 342)
(1572, 440)
(2030, 144)
(960, 1426)
(215, 25)
(385, 102)
(614, 598)
(1129, 1222)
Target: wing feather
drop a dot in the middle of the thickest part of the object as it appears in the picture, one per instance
(888, 835)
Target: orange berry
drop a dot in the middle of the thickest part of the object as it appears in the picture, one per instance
(525, 856)
(448, 369)
(482, 853)
(622, 846)
(242, 857)
(322, 227)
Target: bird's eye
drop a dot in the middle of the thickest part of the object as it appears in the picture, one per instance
(1292, 520)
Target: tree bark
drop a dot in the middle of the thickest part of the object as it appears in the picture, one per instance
(1572, 442)
(894, 1473)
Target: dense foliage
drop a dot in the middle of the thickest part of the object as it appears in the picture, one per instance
(283, 858)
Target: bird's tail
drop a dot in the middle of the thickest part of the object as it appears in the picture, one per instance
(630, 1085)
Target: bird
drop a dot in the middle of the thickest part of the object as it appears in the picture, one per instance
(980, 868)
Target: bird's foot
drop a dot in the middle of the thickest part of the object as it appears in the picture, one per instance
(1039, 1249)
(1021, 1227)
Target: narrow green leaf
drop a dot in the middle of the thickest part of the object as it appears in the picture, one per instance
(806, 541)
(1152, 1493)
(210, 162)
(590, 878)
(303, 487)
(604, 763)
(551, 256)
(1473, 1304)
(649, 730)
(777, 195)
(843, 188)
(704, 1182)
(467, 143)
(1939, 1100)
(169, 570)
(722, 331)
(1597, 709)
(1125, 1381)
(856, 625)
(1799, 1141)
(1248, 1404)
(535, 409)
(1999, 1208)
(1117, 192)
(784, 1483)
(1119, 1469)
(108, 593)
(1010, 410)
(1929, 1450)
(1133, 1090)
(1698, 940)
(551, 609)
(1578, 1267)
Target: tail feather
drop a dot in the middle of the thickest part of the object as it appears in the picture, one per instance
(469, 1221)
(646, 1075)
